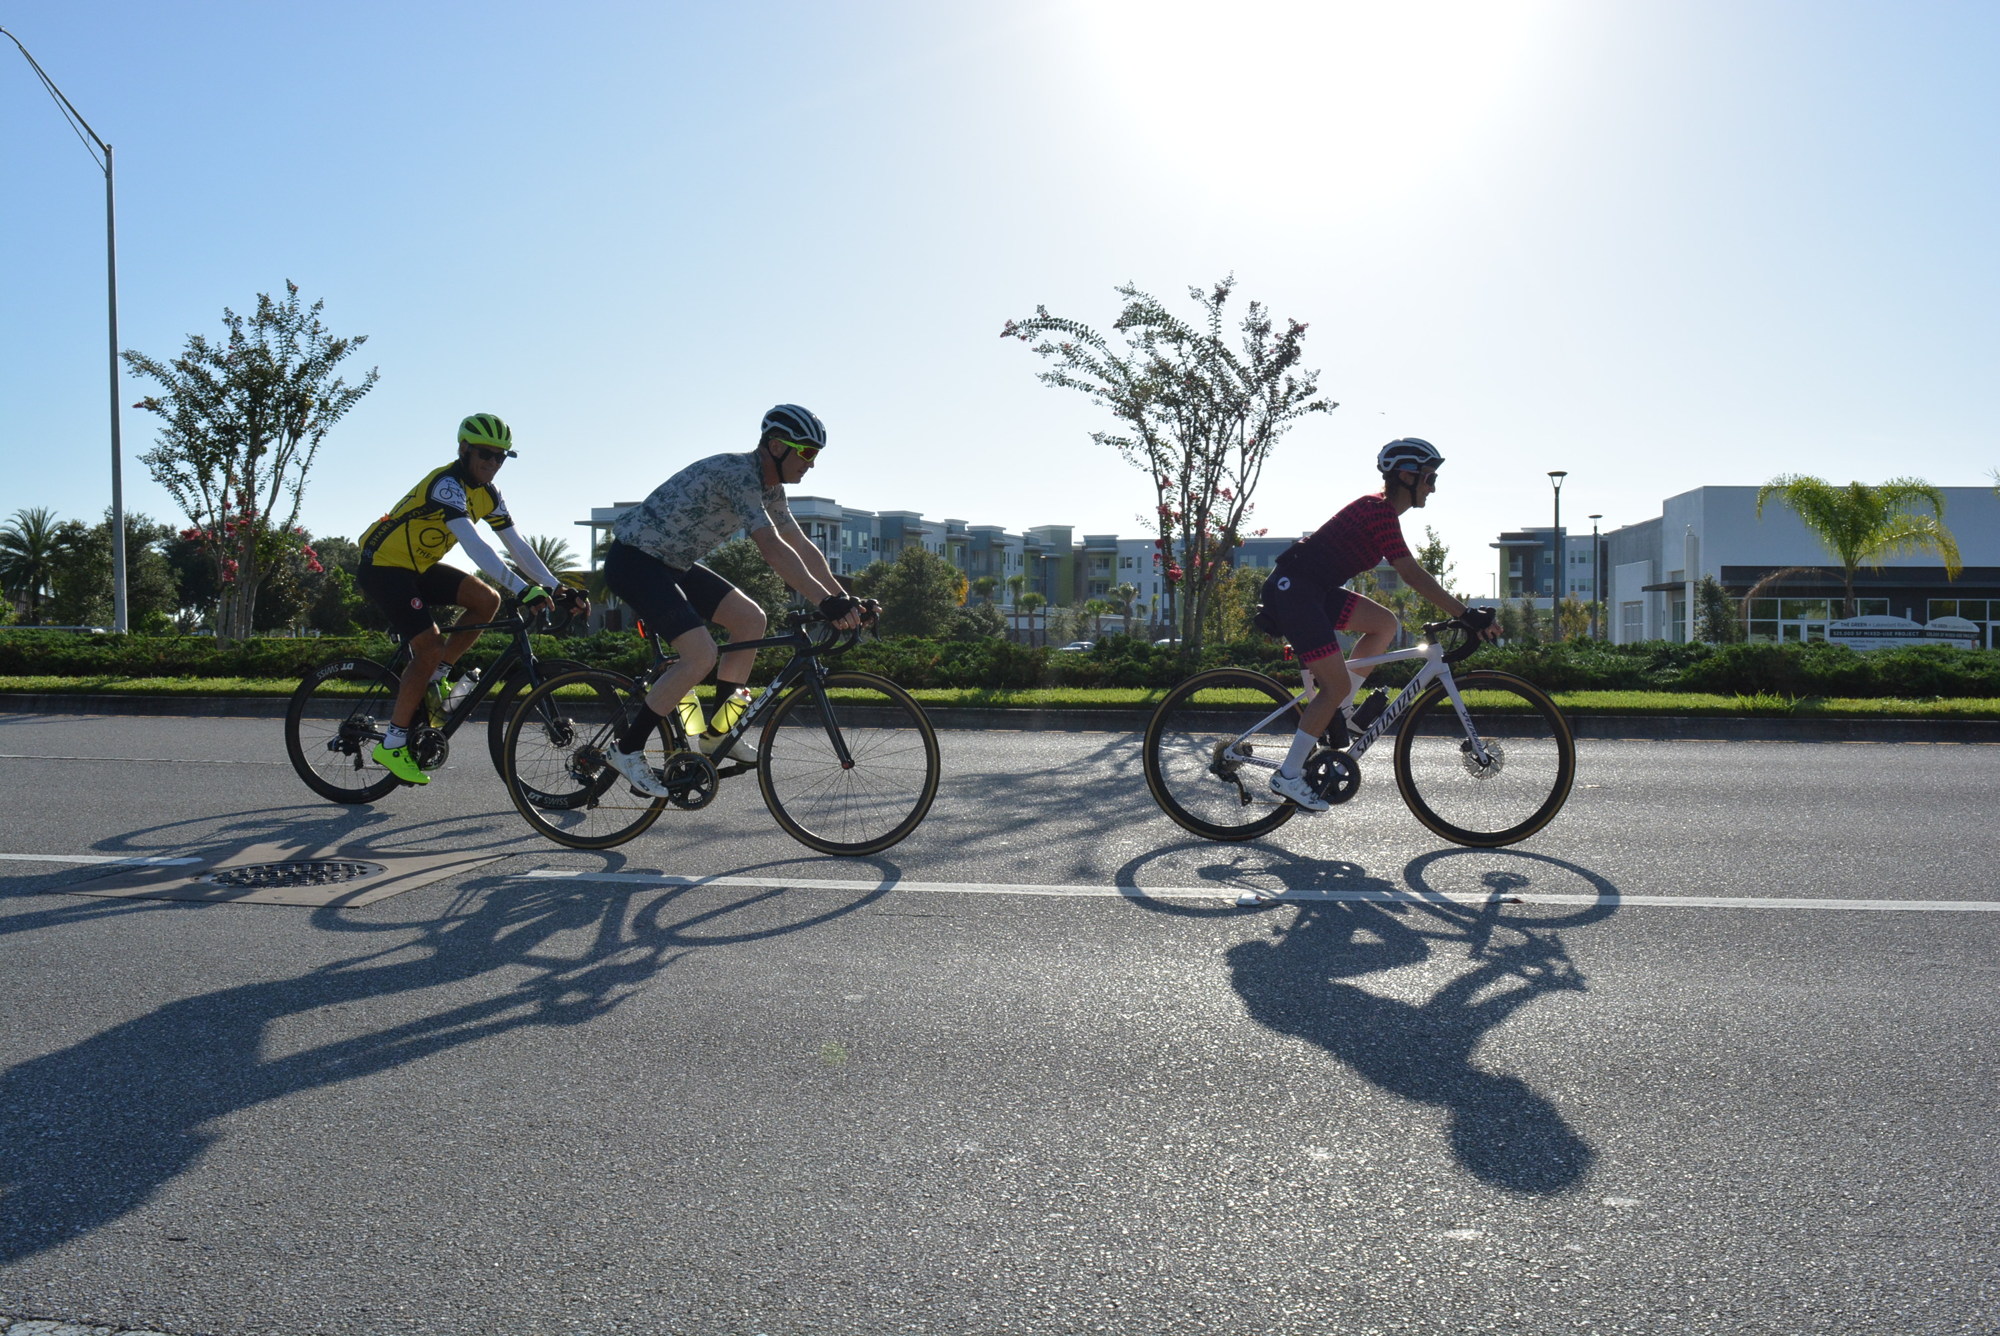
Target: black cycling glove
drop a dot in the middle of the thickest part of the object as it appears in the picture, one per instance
(1476, 619)
(836, 606)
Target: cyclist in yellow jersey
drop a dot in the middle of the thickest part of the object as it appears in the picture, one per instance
(401, 572)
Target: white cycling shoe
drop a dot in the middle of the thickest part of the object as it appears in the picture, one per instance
(633, 766)
(1295, 789)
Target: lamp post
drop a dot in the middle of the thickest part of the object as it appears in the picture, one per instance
(1556, 477)
(1597, 603)
(119, 620)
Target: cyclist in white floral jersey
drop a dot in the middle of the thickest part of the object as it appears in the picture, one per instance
(654, 567)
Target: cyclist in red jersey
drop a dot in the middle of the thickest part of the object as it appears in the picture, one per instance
(1305, 599)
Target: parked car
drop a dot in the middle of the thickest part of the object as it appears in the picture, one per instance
(1077, 647)
(1168, 640)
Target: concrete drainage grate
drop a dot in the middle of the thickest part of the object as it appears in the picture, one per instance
(268, 876)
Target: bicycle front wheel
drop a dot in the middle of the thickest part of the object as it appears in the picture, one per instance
(507, 696)
(1212, 747)
(556, 767)
(873, 797)
(1520, 786)
(337, 715)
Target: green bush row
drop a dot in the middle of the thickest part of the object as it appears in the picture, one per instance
(1119, 661)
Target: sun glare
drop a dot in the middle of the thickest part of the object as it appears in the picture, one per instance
(1370, 100)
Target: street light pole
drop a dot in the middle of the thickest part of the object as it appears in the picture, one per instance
(1597, 603)
(1556, 477)
(120, 620)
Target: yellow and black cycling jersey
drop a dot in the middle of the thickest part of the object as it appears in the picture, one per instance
(416, 531)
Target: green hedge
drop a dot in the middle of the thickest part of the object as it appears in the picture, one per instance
(1118, 661)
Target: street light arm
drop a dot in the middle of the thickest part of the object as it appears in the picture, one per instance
(68, 109)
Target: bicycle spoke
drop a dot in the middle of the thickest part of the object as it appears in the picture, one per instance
(884, 790)
(1519, 786)
(1210, 752)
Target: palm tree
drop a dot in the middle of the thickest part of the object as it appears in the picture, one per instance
(985, 585)
(1015, 584)
(1122, 597)
(1028, 603)
(1097, 608)
(1860, 525)
(30, 545)
(555, 555)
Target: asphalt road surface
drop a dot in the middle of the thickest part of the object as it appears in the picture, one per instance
(1728, 1065)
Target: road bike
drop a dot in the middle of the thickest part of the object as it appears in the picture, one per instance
(344, 707)
(1482, 758)
(847, 761)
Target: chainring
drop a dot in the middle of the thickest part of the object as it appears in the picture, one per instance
(692, 779)
(430, 747)
(1334, 775)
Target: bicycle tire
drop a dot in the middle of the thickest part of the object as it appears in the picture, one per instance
(1486, 807)
(870, 803)
(502, 699)
(335, 717)
(1190, 776)
(555, 770)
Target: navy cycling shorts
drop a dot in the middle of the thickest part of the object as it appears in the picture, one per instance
(1307, 613)
(669, 600)
(406, 597)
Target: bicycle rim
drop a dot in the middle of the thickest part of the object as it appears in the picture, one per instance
(869, 804)
(1200, 773)
(1486, 805)
(556, 770)
(336, 716)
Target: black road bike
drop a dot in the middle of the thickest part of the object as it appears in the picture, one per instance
(847, 761)
(343, 708)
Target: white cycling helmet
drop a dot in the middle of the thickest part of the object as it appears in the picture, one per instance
(1409, 452)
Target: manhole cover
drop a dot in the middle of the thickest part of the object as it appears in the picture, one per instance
(324, 872)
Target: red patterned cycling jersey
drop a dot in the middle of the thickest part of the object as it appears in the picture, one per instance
(1365, 532)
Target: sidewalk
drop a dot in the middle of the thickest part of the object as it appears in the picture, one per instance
(1655, 728)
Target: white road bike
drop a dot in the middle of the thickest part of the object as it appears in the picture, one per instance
(1482, 758)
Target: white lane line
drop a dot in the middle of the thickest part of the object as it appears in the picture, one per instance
(96, 858)
(1233, 892)
(136, 760)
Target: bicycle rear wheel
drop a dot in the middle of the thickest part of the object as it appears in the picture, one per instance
(556, 770)
(1209, 756)
(1518, 790)
(871, 800)
(336, 716)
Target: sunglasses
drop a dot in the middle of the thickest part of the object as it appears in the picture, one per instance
(806, 452)
(490, 456)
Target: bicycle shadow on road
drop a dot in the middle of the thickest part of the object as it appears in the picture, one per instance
(1294, 979)
(92, 1131)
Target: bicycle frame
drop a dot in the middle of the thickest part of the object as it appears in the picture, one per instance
(518, 651)
(804, 664)
(1435, 669)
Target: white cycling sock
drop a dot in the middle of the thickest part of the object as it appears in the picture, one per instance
(1295, 760)
(442, 669)
(396, 737)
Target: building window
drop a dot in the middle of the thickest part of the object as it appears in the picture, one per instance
(1795, 619)
(1631, 621)
(1871, 607)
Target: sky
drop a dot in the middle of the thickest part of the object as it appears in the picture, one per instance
(1659, 244)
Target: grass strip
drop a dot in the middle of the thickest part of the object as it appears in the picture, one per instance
(1141, 698)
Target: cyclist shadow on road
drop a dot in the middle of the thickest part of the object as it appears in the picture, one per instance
(1295, 979)
(92, 1131)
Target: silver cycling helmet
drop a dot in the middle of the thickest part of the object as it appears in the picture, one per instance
(1409, 452)
(795, 424)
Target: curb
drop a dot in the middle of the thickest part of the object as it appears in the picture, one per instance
(1648, 728)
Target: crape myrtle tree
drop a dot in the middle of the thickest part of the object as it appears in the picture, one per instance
(243, 419)
(1196, 415)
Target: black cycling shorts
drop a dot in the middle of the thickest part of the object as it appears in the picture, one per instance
(1307, 613)
(669, 600)
(406, 597)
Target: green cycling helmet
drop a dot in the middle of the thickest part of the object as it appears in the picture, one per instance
(487, 430)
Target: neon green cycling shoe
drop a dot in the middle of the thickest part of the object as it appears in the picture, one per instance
(400, 764)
